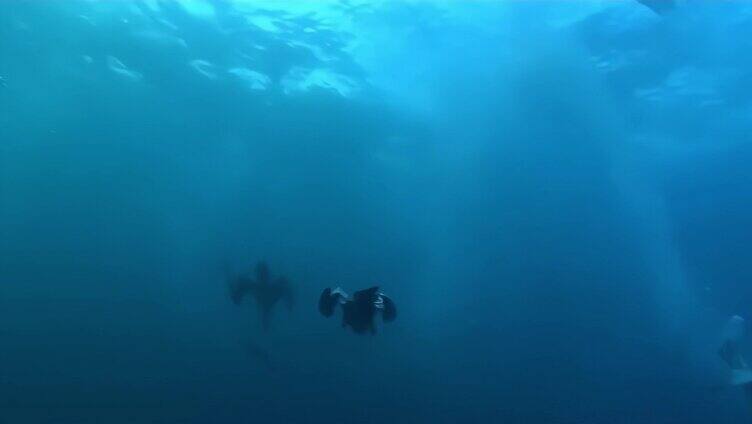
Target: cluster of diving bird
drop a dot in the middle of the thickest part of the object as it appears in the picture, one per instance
(359, 311)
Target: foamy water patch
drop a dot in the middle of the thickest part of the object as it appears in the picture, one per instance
(253, 80)
(263, 22)
(119, 68)
(303, 80)
(198, 8)
(686, 83)
(204, 68)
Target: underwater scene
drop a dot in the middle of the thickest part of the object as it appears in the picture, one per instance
(385, 211)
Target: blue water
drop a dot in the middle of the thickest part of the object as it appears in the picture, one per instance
(555, 194)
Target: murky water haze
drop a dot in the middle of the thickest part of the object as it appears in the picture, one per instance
(553, 193)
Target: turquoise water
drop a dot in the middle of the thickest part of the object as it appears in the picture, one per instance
(554, 194)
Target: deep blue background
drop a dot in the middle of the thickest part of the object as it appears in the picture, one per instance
(556, 194)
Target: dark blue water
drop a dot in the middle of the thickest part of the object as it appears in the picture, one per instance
(555, 194)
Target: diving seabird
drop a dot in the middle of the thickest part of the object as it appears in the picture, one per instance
(264, 290)
(358, 311)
